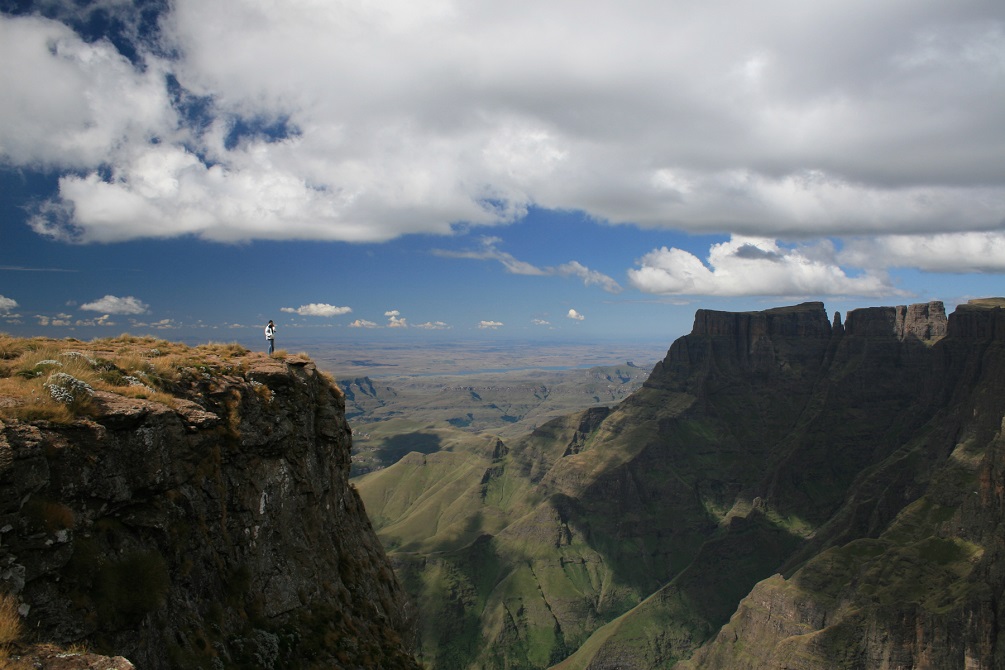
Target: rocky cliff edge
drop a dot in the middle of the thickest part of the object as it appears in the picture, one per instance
(188, 508)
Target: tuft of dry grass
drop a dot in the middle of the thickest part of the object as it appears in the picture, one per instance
(28, 400)
(11, 630)
(225, 351)
(147, 393)
(11, 347)
(10, 620)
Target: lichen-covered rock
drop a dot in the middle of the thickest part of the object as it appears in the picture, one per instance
(219, 531)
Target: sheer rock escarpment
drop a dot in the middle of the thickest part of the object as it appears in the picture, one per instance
(214, 529)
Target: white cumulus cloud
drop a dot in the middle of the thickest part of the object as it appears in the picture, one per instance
(395, 320)
(111, 304)
(433, 325)
(749, 266)
(362, 323)
(317, 309)
(490, 325)
(7, 304)
(574, 315)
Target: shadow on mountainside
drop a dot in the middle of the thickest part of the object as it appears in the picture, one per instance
(397, 446)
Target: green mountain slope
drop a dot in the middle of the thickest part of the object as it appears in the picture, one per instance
(766, 443)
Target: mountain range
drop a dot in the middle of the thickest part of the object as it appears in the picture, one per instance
(786, 490)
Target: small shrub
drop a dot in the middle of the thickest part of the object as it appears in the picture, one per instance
(233, 404)
(133, 364)
(35, 361)
(68, 390)
(147, 393)
(114, 377)
(170, 367)
(80, 357)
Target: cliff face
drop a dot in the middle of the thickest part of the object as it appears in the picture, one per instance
(786, 490)
(216, 528)
(924, 321)
(910, 571)
(874, 497)
(756, 342)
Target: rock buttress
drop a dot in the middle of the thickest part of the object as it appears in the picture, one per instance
(220, 531)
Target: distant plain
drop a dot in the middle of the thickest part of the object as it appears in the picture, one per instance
(390, 360)
(403, 398)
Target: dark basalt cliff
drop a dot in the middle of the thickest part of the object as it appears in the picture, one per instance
(787, 490)
(909, 572)
(862, 469)
(215, 529)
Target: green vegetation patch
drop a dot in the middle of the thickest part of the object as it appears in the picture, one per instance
(931, 572)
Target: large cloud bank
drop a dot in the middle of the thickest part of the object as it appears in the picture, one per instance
(362, 121)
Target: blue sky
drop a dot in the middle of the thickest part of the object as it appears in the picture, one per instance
(585, 170)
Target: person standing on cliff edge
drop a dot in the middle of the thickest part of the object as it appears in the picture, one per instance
(270, 335)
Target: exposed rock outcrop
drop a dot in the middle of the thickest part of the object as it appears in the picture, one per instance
(215, 530)
(923, 321)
